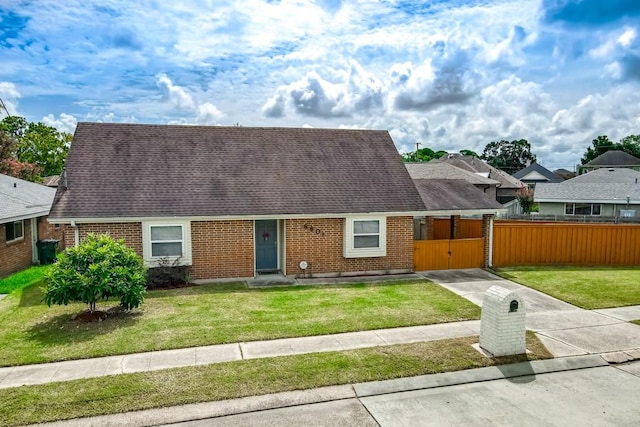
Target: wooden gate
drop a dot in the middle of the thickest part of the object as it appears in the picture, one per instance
(448, 254)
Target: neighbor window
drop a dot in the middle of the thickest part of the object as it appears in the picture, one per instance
(365, 237)
(14, 230)
(582, 209)
(167, 242)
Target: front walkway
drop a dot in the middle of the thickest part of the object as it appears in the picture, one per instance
(565, 330)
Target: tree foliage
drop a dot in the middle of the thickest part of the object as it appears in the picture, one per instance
(509, 156)
(98, 269)
(600, 145)
(9, 165)
(423, 155)
(525, 198)
(35, 145)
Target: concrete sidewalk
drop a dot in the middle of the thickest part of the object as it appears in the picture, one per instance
(140, 362)
(401, 401)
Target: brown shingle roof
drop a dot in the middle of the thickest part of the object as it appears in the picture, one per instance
(454, 195)
(131, 170)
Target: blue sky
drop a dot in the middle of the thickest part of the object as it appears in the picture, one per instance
(448, 74)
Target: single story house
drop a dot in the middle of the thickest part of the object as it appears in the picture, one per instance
(439, 170)
(24, 207)
(508, 185)
(235, 202)
(535, 174)
(611, 159)
(612, 192)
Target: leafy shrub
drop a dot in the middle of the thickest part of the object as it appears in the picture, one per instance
(99, 268)
(168, 273)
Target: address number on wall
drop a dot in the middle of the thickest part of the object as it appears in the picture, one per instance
(314, 230)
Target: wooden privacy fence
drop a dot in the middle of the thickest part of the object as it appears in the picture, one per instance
(448, 254)
(467, 228)
(526, 243)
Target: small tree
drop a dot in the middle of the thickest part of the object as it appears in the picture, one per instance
(525, 198)
(99, 268)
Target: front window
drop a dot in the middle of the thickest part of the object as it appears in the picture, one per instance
(14, 231)
(166, 241)
(582, 208)
(365, 237)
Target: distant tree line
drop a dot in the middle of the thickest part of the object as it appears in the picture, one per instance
(30, 150)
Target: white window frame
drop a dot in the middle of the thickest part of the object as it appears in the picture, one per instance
(15, 239)
(573, 210)
(152, 261)
(350, 251)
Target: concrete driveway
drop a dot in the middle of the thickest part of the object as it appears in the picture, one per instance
(584, 391)
(566, 330)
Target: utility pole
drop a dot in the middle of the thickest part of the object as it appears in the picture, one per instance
(4, 107)
(417, 144)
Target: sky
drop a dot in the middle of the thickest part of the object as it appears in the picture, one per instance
(449, 75)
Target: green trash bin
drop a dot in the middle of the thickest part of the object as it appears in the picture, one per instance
(47, 250)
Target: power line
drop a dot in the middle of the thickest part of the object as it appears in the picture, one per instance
(4, 107)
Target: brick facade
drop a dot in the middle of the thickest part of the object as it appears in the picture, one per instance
(222, 249)
(131, 232)
(16, 255)
(324, 250)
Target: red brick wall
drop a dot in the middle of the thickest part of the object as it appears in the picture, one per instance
(15, 256)
(131, 232)
(48, 231)
(222, 249)
(324, 252)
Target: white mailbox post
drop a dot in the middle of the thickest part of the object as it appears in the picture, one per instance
(502, 322)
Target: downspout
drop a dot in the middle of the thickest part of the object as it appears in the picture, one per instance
(76, 233)
(491, 241)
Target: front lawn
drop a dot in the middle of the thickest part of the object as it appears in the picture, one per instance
(22, 279)
(213, 314)
(589, 288)
(130, 392)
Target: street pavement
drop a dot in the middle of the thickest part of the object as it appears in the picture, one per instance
(582, 382)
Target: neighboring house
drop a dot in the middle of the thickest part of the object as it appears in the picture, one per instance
(611, 159)
(602, 192)
(234, 202)
(535, 174)
(564, 174)
(51, 181)
(437, 170)
(508, 185)
(24, 207)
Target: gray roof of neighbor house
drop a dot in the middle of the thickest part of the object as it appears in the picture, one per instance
(605, 185)
(614, 158)
(536, 173)
(443, 195)
(20, 199)
(475, 165)
(158, 171)
(438, 170)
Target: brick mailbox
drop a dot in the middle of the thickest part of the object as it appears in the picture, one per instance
(502, 323)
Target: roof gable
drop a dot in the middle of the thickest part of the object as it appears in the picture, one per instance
(476, 165)
(536, 172)
(141, 171)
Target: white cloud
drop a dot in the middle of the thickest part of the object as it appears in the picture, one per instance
(176, 95)
(627, 37)
(9, 95)
(64, 123)
(356, 92)
(208, 114)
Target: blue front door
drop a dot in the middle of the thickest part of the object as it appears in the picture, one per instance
(267, 245)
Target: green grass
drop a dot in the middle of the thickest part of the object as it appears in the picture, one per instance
(129, 392)
(22, 279)
(585, 287)
(214, 314)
